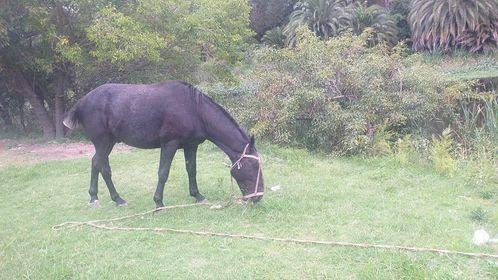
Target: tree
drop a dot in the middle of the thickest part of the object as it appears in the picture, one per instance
(166, 39)
(54, 51)
(375, 17)
(446, 25)
(33, 56)
(23, 56)
(326, 18)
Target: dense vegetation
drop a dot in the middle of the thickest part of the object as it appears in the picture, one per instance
(338, 75)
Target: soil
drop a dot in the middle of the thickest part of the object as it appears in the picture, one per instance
(18, 152)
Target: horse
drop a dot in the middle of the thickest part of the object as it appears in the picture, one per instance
(169, 115)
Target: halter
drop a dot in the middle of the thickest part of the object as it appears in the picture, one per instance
(237, 163)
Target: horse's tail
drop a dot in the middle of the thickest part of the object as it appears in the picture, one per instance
(72, 118)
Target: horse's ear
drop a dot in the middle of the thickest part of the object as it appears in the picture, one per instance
(251, 143)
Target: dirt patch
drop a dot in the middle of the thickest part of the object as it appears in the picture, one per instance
(12, 152)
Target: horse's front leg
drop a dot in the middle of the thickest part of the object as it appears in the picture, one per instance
(168, 151)
(190, 164)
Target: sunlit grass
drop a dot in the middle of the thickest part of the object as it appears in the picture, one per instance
(321, 197)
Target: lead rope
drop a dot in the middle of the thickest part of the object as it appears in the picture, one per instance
(98, 224)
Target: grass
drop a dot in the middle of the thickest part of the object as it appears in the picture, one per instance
(326, 198)
(464, 66)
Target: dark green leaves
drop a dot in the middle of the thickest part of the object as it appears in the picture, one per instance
(446, 25)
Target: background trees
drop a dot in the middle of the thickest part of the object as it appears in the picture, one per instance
(54, 51)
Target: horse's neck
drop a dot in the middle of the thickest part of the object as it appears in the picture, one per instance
(225, 134)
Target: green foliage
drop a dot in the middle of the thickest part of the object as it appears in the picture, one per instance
(446, 25)
(441, 156)
(476, 124)
(274, 37)
(158, 39)
(340, 94)
(404, 149)
(219, 29)
(61, 49)
(122, 39)
(326, 18)
(399, 10)
(384, 29)
(329, 18)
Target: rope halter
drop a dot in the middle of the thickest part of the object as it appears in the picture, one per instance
(238, 164)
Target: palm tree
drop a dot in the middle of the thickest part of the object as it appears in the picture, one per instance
(326, 18)
(376, 18)
(274, 37)
(448, 24)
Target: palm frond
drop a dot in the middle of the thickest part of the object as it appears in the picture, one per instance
(449, 24)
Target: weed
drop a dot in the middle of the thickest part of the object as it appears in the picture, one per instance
(479, 215)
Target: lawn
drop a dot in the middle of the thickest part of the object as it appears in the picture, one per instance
(321, 197)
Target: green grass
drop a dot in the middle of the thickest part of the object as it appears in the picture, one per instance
(464, 66)
(325, 198)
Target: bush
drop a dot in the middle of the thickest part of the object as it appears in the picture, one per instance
(338, 95)
(441, 153)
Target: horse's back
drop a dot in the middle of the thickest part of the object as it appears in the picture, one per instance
(141, 115)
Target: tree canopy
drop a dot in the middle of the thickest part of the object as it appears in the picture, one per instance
(54, 50)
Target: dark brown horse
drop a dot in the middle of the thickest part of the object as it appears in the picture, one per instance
(170, 115)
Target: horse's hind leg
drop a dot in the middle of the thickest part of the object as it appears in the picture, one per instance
(94, 181)
(103, 148)
(190, 164)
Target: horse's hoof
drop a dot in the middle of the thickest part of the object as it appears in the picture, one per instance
(120, 202)
(203, 201)
(94, 204)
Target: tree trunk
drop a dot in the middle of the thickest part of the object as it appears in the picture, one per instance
(4, 114)
(59, 103)
(61, 21)
(24, 87)
(21, 116)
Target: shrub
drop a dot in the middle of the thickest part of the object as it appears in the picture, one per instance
(404, 149)
(346, 96)
(441, 157)
(339, 95)
(274, 37)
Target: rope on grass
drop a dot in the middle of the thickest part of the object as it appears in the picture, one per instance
(75, 224)
(95, 224)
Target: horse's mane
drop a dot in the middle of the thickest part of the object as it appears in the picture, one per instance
(200, 97)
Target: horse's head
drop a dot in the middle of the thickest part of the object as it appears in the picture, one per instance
(248, 173)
